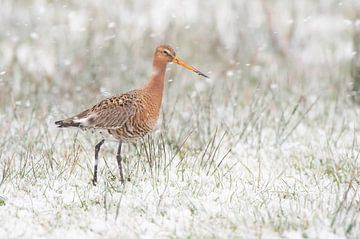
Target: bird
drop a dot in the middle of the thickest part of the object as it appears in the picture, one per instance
(129, 116)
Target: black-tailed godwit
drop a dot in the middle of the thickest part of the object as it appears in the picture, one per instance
(129, 116)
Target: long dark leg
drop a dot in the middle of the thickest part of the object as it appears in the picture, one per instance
(97, 149)
(118, 158)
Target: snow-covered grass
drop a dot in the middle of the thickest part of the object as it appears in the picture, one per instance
(269, 147)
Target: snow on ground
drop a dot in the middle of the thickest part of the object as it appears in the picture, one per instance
(266, 148)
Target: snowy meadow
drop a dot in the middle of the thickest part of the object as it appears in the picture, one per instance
(268, 147)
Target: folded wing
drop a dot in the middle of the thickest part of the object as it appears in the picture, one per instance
(110, 113)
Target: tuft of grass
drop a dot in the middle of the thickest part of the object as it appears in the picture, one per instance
(2, 201)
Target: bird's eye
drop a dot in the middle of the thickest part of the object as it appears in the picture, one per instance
(165, 53)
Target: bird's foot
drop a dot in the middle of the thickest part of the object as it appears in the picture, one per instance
(94, 182)
(122, 181)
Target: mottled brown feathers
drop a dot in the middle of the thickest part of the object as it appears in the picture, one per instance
(127, 116)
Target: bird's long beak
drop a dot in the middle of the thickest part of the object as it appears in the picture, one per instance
(187, 66)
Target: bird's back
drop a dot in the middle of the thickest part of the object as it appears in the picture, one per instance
(125, 117)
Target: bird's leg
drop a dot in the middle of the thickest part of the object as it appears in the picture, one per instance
(97, 149)
(118, 158)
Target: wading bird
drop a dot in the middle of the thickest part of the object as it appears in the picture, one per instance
(129, 116)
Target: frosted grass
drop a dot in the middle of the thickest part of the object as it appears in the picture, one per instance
(266, 148)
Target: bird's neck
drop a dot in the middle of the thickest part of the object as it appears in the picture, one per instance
(156, 82)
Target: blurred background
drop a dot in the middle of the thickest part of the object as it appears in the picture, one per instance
(270, 141)
(55, 49)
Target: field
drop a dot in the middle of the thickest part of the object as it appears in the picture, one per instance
(268, 147)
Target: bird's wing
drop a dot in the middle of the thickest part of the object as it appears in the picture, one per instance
(110, 113)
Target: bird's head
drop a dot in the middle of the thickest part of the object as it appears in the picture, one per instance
(166, 54)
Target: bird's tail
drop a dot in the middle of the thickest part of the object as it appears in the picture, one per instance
(67, 123)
